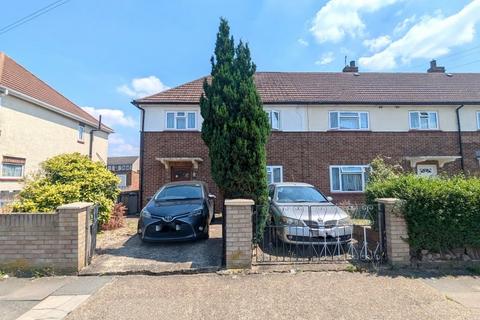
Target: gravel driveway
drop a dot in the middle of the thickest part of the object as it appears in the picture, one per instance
(324, 295)
(121, 252)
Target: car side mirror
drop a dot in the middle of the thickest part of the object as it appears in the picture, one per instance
(330, 199)
(212, 196)
(269, 198)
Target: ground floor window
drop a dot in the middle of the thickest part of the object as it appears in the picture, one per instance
(348, 178)
(274, 174)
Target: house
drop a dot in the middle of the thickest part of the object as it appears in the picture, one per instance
(327, 127)
(36, 123)
(127, 170)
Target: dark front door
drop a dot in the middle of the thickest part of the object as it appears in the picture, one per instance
(181, 173)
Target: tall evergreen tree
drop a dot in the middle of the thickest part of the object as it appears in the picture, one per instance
(235, 126)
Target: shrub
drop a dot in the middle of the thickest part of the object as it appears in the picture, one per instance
(441, 213)
(117, 218)
(68, 178)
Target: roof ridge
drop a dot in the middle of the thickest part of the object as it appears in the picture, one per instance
(172, 88)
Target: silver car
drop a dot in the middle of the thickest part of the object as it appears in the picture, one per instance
(301, 214)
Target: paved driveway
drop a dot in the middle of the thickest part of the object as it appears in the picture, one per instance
(121, 252)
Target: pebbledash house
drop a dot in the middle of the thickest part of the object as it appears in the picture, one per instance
(327, 128)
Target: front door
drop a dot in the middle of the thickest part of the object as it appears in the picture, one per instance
(181, 172)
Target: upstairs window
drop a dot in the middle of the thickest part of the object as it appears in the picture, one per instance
(478, 120)
(348, 120)
(12, 167)
(181, 120)
(274, 118)
(81, 132)
(348, 178)
(423, 120)
(274, 174)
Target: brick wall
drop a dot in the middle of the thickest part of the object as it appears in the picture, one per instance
(238, 236)
(306, 156)
(37, 240)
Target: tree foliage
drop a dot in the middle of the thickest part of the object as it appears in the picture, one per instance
(68, 178)
(235, 126)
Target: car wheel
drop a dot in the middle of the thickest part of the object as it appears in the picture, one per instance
(206, 233)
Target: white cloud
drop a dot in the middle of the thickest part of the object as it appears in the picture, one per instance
(303, 42)
(431, 37)
(404, 25)
(112, 117)
(377, 43)
(117, 146)
(142, 87)
(339, 18)
(326, 58)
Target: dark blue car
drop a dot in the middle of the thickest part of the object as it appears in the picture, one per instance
(179, 211)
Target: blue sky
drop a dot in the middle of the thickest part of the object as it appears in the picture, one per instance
(102, 54)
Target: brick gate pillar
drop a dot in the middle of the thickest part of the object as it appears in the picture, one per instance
(396, 233)
(238, 225)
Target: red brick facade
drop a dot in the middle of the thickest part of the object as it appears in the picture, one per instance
(306, 156)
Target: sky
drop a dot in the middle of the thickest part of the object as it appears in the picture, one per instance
(102, 54)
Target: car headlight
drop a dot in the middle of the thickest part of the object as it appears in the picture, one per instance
(291, 222)
(145, 214)
(196, 213)
(344, 222)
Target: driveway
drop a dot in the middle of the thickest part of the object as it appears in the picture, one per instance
(317, 295)
(121, 252)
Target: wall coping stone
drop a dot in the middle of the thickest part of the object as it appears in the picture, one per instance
(75, 205)
(239, 202)
(388, 200)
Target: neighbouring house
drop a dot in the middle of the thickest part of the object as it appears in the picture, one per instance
(127, 170)
(36, 123)
(327, 127)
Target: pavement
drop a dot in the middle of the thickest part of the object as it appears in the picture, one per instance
(121, 252)
(309, 295)
(45, 298)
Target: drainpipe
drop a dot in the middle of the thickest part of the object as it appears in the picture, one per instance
(90, 150)
(142, 130)
(457, 111)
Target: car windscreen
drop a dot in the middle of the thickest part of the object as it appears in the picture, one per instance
(299, 194)
(180, 192)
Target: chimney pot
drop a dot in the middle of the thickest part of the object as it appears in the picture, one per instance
(351, 67)
(434, 68)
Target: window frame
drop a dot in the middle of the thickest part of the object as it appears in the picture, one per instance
(338, 128)
(364, 182)
(429, 112)
(272, 168)
(21, 176)
(478, 120)
(119, 175)
(81, 133)
(175, 116)
(269, 113)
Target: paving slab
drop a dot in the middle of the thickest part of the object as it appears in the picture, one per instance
(83, 286)
(122, 252)
(54, 307)
(11, 310)
(36, 289)
(10, 284)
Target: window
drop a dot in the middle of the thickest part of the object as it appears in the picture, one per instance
(348, 120)
(181, 120)
(274, 118)
(12, 170)
(348, 178)
(423, 120)
(123, 180)
(478, 120)
(427, 170)
(81, 131)
(274, 174)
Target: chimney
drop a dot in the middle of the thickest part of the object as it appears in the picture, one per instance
(351, 67)
(435, 68)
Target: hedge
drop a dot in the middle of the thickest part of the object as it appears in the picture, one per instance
(441, 213)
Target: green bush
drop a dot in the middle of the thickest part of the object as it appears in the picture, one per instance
(441, 213)
(68, 178)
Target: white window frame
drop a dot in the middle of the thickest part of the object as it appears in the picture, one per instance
(12, 177)
(81, 132)
(186, 120)
(365, 168)
(270, 118)
(120, 176)
(359, 113)
(478, 120)
(271, 168)
(419, 122)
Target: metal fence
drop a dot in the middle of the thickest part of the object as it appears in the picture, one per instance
(91, 226)
(318, 234)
